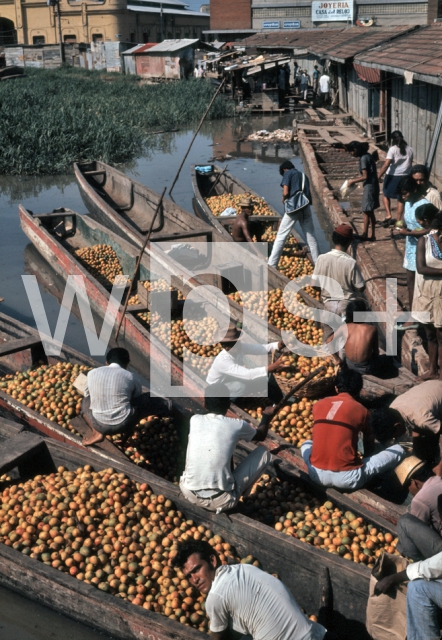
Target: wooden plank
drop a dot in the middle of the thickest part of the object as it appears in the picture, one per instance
(84, 429)
(18, 449)
(13, 346)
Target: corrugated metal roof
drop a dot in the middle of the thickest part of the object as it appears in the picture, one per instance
(173, 45)
(418, 52)
(137, 47)
(285, 39)
(349, 42)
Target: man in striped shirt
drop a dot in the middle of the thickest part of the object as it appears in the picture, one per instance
(113, 399)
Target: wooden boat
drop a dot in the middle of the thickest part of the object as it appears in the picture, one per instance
(303, 568)
(219, 182)
(57, 251)
(126, 207)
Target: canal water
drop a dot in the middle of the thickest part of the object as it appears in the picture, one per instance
(255, 164)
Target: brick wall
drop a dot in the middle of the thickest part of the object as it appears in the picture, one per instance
(230, 14)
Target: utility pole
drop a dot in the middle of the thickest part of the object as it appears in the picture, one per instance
(59, 32)
(161, 20)
(56, 5)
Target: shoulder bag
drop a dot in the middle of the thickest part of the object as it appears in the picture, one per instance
(298, 201)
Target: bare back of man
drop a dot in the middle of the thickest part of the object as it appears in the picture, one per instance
(362, 342)
(241, 229)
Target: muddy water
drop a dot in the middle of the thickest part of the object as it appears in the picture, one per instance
(256, 165)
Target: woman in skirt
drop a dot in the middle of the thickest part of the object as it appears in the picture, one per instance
(369, 177)
(396, 166)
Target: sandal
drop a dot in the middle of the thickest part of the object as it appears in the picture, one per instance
(402, 327)
(361, 238)
(387, 222)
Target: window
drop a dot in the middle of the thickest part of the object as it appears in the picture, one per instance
(145, 37)
(282, 12)
(69, 38)
(132, 36)
(177, 33)
(169, 35)
(391, 9)
(97, 37)
(38, 40)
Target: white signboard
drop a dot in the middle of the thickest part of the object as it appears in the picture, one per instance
(327, 11)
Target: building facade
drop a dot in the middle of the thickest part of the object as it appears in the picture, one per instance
(34, 22)
(272, 15)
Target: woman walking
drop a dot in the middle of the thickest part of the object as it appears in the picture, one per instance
(369, 177)
(396, 166)
(293, 181)
(428, 287)
(411, 194)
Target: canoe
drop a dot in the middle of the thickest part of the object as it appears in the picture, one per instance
(305, 569)
(219, 182)
(155, 358)
(104, 189)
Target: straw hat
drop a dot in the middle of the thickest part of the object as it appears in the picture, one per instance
(407, 468)
(246, 202)
(232, 335)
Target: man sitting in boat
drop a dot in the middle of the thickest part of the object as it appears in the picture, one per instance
(421, 408)
(244, 598)
(208, 479)
(342, 268)
(242, 229)
(113, 399)
(420, 530)
(229, 368)
(332, 457)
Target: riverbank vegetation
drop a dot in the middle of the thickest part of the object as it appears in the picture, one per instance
(52, 118)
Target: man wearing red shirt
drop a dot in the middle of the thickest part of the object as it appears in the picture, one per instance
(332, 457)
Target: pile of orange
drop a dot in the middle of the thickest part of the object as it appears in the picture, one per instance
(294, 511)
(218, 204)
(104, 529)
(101, 261)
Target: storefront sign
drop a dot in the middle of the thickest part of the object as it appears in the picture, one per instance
(327, 11)
(291, 24)
(271, 24)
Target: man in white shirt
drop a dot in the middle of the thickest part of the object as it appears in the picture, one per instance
(324, 85)
(113, 399)
(244, 598)
(341, 268)
(424, 597)
(228, 368)
(208, 479)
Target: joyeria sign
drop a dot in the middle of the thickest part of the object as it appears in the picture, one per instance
(328, 11)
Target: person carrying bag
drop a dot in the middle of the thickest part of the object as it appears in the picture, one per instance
(296, 198)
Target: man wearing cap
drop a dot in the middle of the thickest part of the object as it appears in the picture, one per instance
(342, 269)
(420, 530)
(208, 479)
(228, 368)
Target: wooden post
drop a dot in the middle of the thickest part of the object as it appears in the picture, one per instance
(195, 135)
(137, 264)
(220, 175)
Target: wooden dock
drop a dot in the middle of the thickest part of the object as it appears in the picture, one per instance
(329, 165)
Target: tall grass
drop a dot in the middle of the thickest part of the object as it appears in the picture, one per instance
(52, 118)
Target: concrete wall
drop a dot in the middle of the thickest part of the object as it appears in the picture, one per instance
(386, 14)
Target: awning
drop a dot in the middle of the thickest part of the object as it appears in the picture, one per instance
(373, 76)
